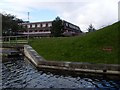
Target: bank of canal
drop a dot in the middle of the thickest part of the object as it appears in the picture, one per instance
(75, 67)
(22, 74)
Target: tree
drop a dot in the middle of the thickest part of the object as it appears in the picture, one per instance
(91, 28)
(57, 27)
(10, 24)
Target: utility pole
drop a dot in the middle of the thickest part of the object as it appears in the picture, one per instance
(28, 28)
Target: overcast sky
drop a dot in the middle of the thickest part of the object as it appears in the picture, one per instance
(80, 12)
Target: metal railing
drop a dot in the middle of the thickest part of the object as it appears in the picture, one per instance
(13, 40)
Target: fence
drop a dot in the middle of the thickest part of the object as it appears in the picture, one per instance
(13, 39)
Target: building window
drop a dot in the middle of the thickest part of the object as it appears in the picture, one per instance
(33, 25)
(30, 31)
(49, 24)
(67, 24)
(72, 26)
(28, 26)
(24, 26)
(38, 25)
(43, 25)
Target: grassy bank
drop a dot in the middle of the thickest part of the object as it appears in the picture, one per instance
(97, 47)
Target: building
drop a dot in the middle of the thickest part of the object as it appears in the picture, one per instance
(70, 29)
(43, 29)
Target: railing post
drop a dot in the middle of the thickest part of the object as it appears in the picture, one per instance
(16, 39)
(9, 39)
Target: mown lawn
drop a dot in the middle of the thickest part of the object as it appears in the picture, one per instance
(97, 47)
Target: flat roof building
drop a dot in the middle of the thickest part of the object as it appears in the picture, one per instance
(44, 28)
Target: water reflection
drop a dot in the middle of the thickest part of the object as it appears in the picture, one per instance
(21, 74)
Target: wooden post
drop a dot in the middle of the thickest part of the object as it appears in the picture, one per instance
(9, 39)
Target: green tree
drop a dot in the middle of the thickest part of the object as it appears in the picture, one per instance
(10, 24)
(91, 28)
(57, 27)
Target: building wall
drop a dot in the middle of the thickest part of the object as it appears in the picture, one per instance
(41, 28)
(38, 26)
(70, 28)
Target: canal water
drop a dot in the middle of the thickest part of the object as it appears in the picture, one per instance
(22, 74)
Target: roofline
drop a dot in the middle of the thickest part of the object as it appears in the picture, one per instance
(71, 23)
(38, 22)
(49, 22)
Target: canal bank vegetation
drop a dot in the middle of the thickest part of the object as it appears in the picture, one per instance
(100, 46)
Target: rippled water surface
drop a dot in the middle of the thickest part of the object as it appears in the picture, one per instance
(21, 74)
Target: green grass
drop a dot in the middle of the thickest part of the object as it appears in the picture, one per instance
(87, 48)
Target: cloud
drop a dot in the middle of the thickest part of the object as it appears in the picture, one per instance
(79, 12)
(98, 13)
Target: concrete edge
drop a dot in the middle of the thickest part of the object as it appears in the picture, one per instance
(41, 63)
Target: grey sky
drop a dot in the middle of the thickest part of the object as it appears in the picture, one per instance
(80, 12)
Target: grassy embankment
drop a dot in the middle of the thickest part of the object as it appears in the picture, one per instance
(97, 47)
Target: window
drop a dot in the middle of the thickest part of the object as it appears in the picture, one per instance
(24, 26)
(38, 25)
(28, 26)
(33, 25)
(43, 25)
(30, 31)
(67, 24)
(49, 24)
